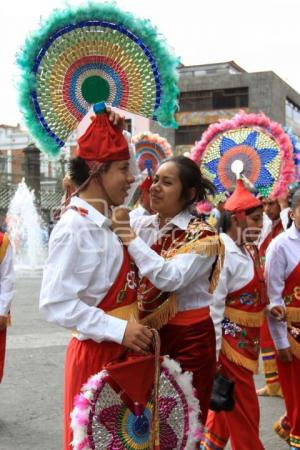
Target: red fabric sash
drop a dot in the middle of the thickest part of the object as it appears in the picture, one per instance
(123, 292)
(273, 233)
(1, 238)
(291, 295)
(252, 299)
(291, 292)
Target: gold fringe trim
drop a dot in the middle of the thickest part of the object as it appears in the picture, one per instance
(249, 319)
(128, 312)
(162, 314)
(292, 314)
(207, 246)
(238, 358)
(3, 247)
(295, 346)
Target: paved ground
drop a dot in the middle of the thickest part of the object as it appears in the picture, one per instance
(31, 393)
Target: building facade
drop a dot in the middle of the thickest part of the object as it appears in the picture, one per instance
(219, 91)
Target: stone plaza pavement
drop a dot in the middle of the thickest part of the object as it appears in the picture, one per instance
(31, 394)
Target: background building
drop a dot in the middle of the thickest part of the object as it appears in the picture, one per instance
(216, 91)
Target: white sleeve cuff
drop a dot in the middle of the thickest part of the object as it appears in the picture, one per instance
(115, 329)
(4, 309)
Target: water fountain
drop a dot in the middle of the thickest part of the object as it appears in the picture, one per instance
(26, 231)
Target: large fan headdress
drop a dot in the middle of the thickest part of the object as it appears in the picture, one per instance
(261, 146)
(88, 54)
(151, 147)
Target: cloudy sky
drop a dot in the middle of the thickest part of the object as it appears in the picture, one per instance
(258, 35)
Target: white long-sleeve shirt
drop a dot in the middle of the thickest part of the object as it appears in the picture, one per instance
(7, 282)
(85, 257)
(237, 272)
(187, 274)
(283, 255)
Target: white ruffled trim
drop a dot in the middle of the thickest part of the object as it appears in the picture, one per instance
(184, 380)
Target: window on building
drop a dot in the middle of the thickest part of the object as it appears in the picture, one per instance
(195, 101)
(230, 98)
(292, 111)
(215, 99)
(188, 135)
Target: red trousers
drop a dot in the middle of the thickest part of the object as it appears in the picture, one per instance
(2, 352)
(83, 359)
(289, 375)
(240, 425)
(193, 346)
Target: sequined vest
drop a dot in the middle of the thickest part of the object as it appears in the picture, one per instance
(291, 296)
(244, 314)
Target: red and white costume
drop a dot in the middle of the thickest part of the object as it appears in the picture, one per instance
(237, 312)
(89, 283)
(283, 283)
(189, 337)
(7, 290)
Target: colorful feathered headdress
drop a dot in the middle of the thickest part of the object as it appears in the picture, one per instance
(87, 54)
(261, 145)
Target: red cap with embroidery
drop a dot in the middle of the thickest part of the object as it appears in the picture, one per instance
(241, 199)
(102, 141)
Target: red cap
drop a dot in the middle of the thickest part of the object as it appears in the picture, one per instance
(241, 199)
(102, 141)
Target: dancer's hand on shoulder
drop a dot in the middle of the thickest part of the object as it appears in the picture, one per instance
(3, 323)
(138, 338)
(121, 225)
(285, 355)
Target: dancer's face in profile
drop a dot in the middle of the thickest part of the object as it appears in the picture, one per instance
(254, 223)
(166, 191)
(116, 181)
(271, 208)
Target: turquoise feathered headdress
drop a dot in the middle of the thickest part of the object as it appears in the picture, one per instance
(86, 54)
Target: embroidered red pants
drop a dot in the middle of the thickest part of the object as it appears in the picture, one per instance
(289, 375)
